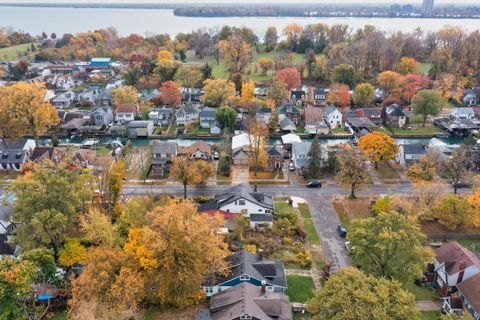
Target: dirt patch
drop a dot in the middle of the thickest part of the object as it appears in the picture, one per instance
(386, 173)
(433, 227)
(348, 209)
(138, 161)
(178, 314)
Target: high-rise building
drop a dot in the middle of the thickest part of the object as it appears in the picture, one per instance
(427, 8)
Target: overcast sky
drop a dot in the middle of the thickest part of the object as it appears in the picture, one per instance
(415, 2)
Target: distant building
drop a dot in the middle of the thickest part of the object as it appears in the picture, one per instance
(427, 8)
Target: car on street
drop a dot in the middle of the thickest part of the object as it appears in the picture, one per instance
(291, 167)
(216, 156)
(461, 185)
(342, 231)
(314, 184)
(347, 246)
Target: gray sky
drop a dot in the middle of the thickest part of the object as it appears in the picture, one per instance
(415, 2)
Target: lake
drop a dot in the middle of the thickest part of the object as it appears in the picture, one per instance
(36, 20)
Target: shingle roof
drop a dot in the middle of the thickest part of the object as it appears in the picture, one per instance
(207, 112)
(261, 217)
(287, 124)
(126, 108)
(243, 191)
(470, 289)
(394, 110)
(414, 149)
(165, 147)
(313, 114)
(139, 124)
(453, 254)
(287, 108)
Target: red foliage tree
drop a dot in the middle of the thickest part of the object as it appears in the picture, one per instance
(339, 95)
(170, 93)
(291, 77)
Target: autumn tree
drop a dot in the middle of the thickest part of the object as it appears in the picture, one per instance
(277, 91)
(344, 74)
(124, 95)
(258, 137)
(452, 211)
(455, 168)
(23, 110)
(176, 250)
(190, 77)
(218, 92)
(425, 169)
(171, 93)
(291, 78)
(166, 67)
(407, 65)
(316, 159)
(248, 92)
(292, 32)
(110, 184)
(271, 39)
(236, 53)
(71, 253)
(49, 198)
(226, 117)
(427, 102)
(191, 173)
(265, 64)
(364, 94)
(99, 229)
(353, 171)
(339, 95)
(350, 294)
(389, 80)
(389, 245)
(378, 147)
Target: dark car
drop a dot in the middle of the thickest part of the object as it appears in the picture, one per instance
(314, 184)
(342, 231)
(461, 185)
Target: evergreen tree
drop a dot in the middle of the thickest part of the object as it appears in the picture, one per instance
(315, 155)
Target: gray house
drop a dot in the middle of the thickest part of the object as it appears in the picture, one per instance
(138, 129)
(207, 117)
(14, 154)
(102, 115)
(187, 114)
(64, 100)
(163, 154)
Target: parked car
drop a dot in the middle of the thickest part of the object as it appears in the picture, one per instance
(347, 246)
(216, 156)
(314, 184)
(291, 167)
(461, 185)
(342, 231)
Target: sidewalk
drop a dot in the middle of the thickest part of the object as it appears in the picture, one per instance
(428, 305)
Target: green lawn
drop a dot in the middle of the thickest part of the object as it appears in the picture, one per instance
(304, 211)
(283, 208)
(417, 131)
(300, 316)
(11, 53)
(472, 245)
(422, 293)
(102, 151)
(430, 315)
(338, 130)
(300, 288)
(312, 235)
(425, 67)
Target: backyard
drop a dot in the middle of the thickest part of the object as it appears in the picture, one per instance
(300, 288)
(417, 131)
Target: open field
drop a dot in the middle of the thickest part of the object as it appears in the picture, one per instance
(11, 53)
(417, 131)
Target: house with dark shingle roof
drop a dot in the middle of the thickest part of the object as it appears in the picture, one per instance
(393, 115)
(246, 267)
(14, 154)
(409, 154)
(207, 117)
(247, 301)
(469, 291)
(274, 158)
(289, 111)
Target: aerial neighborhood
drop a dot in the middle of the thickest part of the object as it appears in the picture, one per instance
(312, 172)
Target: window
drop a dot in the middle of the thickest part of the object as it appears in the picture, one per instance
(241, 202)
(244, 278)
(245, 317)
(260, 210)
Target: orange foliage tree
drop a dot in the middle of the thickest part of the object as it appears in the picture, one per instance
(378, 146)
(291, 77)
(170, 93)
(339, 95)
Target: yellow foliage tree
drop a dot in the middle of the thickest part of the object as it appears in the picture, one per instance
(73, 252)
(218, 92)
(378, 146)
(124, 95)
(236, 53)
(389, 80)
(424, 169)
(258, 136)
(164, 56)
(474, 215)
(265, 64)
(247, 96)
(24, 110)
(191, 172)
(408, 65)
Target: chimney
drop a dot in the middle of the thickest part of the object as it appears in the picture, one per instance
(255, 188)
(264, 286)
(260, 254)
(463, 265)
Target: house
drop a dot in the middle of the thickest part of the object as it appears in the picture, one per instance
(163, 154)
(240, 157)
(314, 122)
(359, 124)
(289, 111)
(186, 115)
(300, 154)
(215, 129)
(320, 97)
(102, 64)
(7, 249)
(64, 100)
(247, 301)
(471, 96)
(454, 264)
(333, 117)
(89, 96)
(373, 114)
(229, 219)
(274, 158)
(246, 267)
(140, 128)
(102, 116)
(74, 125)
(65, 82)
(207, 117)
(105, 98)
(263, 114)
(14, 154)
(6, 224)
(462, 113)
(410, 153)
(287, 125)
(241, 199)
(469, 291)
(85, 158)
(161, 116)
(125, 113)
(297, 96)
(393, 115)
(240, 141)
(48, 153)
(200, 150)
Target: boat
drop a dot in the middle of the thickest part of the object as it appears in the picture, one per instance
(89, 144)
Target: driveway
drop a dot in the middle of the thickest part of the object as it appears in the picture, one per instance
(240, 174)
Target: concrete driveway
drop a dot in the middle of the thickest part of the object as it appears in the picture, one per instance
(240, 174)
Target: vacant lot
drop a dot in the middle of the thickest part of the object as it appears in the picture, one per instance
(348, 209)
(386, 173)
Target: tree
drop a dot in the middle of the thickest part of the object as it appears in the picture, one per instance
(248, 92)
(389, 80)
(455, 168)
(353, 171)
(408, 65)
(389, 245)
(176, 250)
(364, 94)
(19, 70)
(425, 169)
(236, 53)
(23, 110)
(190, 173)
(164, 56)
(132, 75)
(316, 159)
(224, 165)
(344, 74)
(271, 39)
(265, 64)
(453, 316)
(44, 260)
(171, 93)
(124, 95)
(99, 229)
(48, 201)
(258, 136)
(73, 252)
(339, 95)
(190, 77)
(451, 211)
(291, 78)
(378, 147)
(218, 92)
(352, 295)
(292, 32)
(427, 102)
(226, 118)
(277, 91)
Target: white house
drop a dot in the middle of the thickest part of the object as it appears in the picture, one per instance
(186, 115)
(239, 141)
(63, 82)
(125, 113)
(64, 100)
(14, 154)
(333, 117)
(207, 117)
(410, 153)
(462, 113)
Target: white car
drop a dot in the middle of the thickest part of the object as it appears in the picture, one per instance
(291, 167)
(347, 246)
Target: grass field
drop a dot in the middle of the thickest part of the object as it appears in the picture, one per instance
(472, 245)
(304, 211)
(11, 53)
(422, 293)
(417, 131)
(386, 173)
(430, 315)
(300, 288)
(312, 235)
(425, 67)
